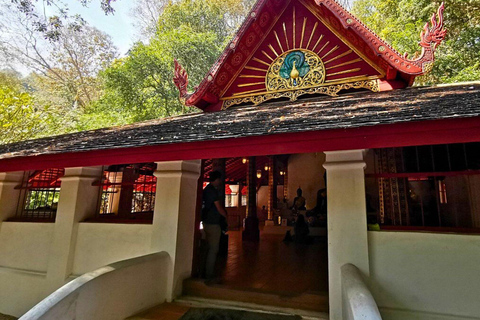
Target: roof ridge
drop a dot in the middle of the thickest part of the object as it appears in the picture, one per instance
(207, 93)
(367, 27)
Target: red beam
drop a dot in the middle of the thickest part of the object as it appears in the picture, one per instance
(381, 136)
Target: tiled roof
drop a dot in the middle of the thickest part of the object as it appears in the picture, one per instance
(320, 113)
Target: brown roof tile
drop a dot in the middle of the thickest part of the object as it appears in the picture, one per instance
(314, 114)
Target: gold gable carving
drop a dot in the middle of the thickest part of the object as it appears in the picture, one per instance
(295, 63)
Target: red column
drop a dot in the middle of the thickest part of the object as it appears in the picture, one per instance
(252, 188)
(272, 186)
(251, 232)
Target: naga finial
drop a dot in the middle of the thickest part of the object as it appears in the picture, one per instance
(180, 79)
(432, 37)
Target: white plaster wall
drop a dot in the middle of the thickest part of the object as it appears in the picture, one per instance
(24, 245)
(347, 221)
(99, 244)
(24, 251)
(262, 197)
(112, 292)
(425, 275)
(20, 290)
(305, 170)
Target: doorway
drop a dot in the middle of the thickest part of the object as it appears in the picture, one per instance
(271, 265)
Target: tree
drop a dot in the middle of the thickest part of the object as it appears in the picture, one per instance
(346, 3)
(65, 79)
(400, 23)
(50, 26)
(140, 85)
(20, 118)
(234, 11)
(66, 68)
(146, 14)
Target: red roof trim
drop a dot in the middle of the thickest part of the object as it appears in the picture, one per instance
(381, 136)
(201, 91)
(430, 39)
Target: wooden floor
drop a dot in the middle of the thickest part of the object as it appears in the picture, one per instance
(275, 266)
(270, 273)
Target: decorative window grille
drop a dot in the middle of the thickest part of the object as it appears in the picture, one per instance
(411, 184)
(228, 201)
(244, 196)
(39, 200)
(128, 191)
(231, 196)
(143, 200)
(244, 200)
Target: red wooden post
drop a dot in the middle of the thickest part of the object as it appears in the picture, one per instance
(272, 186)
(251, 232)
(126, 192)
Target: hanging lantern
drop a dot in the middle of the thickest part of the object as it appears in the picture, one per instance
(259, 174)
(244, 160)
(267, 167)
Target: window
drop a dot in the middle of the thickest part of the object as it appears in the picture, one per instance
(128, 192)
(426, 187)
(231, 196)
(244, 196)
(244, 200)
(39, 201)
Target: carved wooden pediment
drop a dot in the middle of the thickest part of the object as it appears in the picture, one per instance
(289, 49)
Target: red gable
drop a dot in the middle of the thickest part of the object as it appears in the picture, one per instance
(286, 49)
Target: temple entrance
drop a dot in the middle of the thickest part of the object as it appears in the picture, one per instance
(272, 257)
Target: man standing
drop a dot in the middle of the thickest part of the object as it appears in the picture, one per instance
(212, 211)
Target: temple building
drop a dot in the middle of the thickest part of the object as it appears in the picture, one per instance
(305, 107)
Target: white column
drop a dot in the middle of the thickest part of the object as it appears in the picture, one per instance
(174, 218)
(77, 201)
(347, 220)
(9, 196)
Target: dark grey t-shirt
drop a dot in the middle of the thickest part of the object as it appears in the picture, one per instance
(211, 214)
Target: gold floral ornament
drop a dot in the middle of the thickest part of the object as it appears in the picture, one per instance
(295, 69)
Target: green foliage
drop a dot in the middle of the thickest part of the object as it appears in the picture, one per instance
(64, 73)
(76, 86)
(199, 16)
(52, 26)
(400, 22)
(140, 86)
(20, 118)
